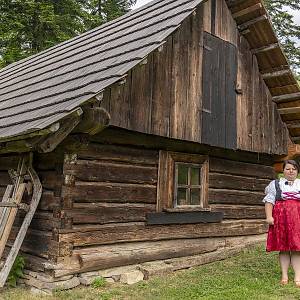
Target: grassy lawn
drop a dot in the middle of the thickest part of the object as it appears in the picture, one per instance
(252, 274)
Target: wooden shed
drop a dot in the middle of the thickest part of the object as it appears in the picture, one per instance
(153, 137)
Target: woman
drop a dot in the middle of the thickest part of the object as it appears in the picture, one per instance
(282, 207)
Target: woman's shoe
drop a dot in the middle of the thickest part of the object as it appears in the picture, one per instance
(286, 281)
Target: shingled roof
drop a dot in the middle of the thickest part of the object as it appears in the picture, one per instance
(42, 89)
(38, 91)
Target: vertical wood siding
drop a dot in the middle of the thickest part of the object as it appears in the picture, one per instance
(163, 95)
(219, 96)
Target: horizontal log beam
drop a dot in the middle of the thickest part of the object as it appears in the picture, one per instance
(110, 192)
(276, 74)
(132, 253)
(93, 121)
(247, 10)
(293, 126)
(85, 170)
(289, 110)
(247, 24)
(110, 234)
(238, 197)
(283, 98)
(277, 90)
(226, 181)
(217, 165)
(265, 48)
(240, 211)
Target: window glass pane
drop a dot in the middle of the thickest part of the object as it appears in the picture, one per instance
(195, 196)
(182, 196)
(182, 174)
(195, 176)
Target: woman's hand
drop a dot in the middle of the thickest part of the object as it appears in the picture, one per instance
(270, 220)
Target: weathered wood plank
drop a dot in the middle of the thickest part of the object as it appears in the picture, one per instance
(240, 168)
(239, 211)
(162, 66)
(140, 113)
(179, 88)
(225, 196)
(195, 50)
(85, 170)
(109, 234)
(225, 181)
(119, 153)
(125, 254)
(116, 101)
(110, 192)
(108, 212)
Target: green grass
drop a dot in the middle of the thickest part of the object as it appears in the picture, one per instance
(253, 274)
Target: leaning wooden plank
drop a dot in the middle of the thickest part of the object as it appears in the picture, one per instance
(22, 232)
(4, 211)
(11, 218)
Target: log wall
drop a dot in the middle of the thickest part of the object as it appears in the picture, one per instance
(92, 214)
(110, 189)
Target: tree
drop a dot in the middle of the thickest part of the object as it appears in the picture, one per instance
(288, 32)
(102, 11)
(30, 26)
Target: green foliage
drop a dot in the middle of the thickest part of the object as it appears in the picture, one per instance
(288, 32)
(16, 271)
(98, 282)
(30, 26)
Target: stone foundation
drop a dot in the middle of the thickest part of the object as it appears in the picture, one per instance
(46, 284)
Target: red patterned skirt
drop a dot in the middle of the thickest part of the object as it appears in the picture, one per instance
(284, 235)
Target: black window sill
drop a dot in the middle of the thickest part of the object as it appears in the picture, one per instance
(164, 218)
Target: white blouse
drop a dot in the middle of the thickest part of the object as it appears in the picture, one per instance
(288, 191)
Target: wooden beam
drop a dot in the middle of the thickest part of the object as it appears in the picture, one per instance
(68, 124)
(277, 90)
(265, 48)
(276, 74)
(247, 10)
(293, 126)
(247, 24)
(284, 98)
(94, 120)
(289, 110)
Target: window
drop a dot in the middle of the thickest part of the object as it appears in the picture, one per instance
(188, 185)
(183, 182)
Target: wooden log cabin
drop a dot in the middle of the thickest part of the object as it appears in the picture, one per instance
(153, 136)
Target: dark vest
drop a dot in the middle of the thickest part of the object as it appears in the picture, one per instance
(278, 190)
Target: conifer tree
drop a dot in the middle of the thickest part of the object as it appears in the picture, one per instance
(288, 32)
(30, 26)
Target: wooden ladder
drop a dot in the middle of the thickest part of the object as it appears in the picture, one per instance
(24, 177)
